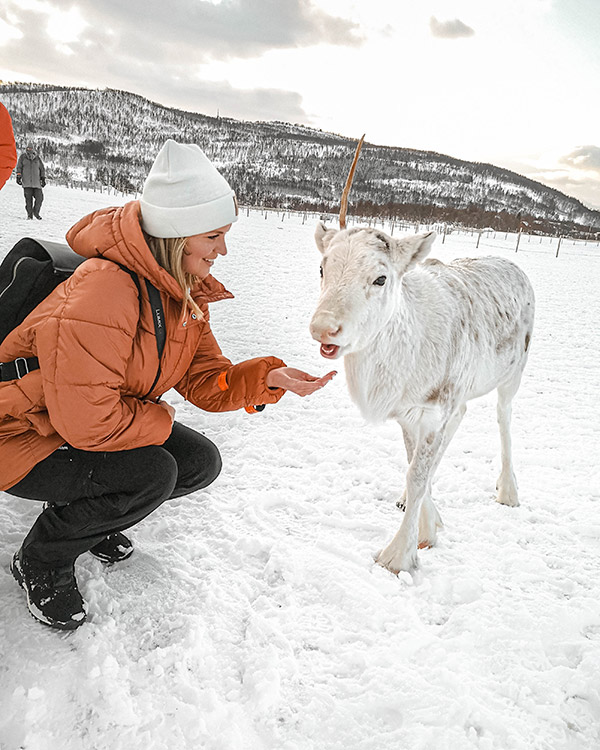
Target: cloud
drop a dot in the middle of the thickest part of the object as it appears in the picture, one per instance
(197, 29)
(232, 28)
(212, 97)
(454, 29)
(155, 48)
(584, 158)
(8, 32)
(65, 26)
(582, 186)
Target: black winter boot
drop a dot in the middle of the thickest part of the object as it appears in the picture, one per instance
(114, 548)
(52, 594)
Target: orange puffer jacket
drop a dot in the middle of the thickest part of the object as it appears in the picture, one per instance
(8, 150)
(98, 355)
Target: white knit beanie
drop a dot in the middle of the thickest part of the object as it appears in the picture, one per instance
(184, 194)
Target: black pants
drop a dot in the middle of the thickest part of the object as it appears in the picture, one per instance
(33, 194)
(97, 494)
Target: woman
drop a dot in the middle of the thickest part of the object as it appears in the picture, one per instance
(87, 432)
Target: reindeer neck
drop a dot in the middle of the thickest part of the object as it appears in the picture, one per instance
(377, 374)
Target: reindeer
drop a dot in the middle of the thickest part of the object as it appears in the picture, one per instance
(419, 339)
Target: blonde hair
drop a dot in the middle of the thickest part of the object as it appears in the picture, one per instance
(168, 253)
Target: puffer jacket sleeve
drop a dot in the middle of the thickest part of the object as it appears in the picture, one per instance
(8, 151)
(213, 383)
(83, 349)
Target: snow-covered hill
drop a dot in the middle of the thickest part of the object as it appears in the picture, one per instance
(252, 617)
(113, 136)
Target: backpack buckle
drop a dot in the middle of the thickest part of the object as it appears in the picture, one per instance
(18, 365)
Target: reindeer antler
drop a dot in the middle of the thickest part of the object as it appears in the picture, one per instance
(345, 193)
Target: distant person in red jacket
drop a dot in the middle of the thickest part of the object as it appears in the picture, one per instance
(32, 176)
(8, 150)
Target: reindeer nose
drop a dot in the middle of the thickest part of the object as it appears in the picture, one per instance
(324, 327)
(324, 334)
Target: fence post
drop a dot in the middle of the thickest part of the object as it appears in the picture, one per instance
(558, 246)
(518, 240)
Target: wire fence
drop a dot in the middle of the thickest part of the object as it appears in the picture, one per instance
(522, 239)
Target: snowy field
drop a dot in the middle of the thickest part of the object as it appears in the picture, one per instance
(252, 616)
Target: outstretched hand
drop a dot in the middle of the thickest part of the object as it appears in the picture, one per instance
(297, 381)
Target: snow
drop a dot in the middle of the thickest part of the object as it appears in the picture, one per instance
(252, 616)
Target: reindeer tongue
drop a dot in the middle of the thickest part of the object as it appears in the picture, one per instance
(329, 351)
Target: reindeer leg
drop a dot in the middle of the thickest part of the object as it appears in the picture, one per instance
(409, 444)
(507, 482)
(401, 552)
(430, 520)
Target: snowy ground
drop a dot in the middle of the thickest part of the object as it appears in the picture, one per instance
(252, 616)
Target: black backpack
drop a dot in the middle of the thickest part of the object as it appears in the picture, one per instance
(30, 271)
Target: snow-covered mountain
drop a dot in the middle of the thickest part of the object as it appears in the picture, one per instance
(112, 137)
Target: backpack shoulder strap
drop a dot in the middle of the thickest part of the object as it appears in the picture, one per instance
(158, 316)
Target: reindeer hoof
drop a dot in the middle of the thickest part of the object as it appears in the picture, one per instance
(397, 563)
(401, 504)
(425, 545)
(508, 496)
(511, 502)
(508, 493)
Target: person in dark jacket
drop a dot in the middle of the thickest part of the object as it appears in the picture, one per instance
(87, 432)
(8, 150)
(31, 174)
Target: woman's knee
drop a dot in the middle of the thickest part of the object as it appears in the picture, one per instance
(213, 463)
(198, 469)
(198, 459)
(162, 470)
(159, 472)
(142, 476)
(202, 469)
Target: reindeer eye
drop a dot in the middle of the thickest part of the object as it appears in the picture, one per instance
(321, 271)
(380, 281)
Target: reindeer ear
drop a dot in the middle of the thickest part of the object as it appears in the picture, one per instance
(413, 250)
(323, 236)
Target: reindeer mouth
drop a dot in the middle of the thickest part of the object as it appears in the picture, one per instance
(330, 351)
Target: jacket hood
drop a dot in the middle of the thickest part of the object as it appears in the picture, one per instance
(115, 233)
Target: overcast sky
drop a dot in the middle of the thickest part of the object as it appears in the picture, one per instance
(510, 82)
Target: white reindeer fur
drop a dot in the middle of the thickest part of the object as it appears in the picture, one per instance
(419, 347)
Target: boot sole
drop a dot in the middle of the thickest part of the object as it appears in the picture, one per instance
(108, 560)
(34, 611)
